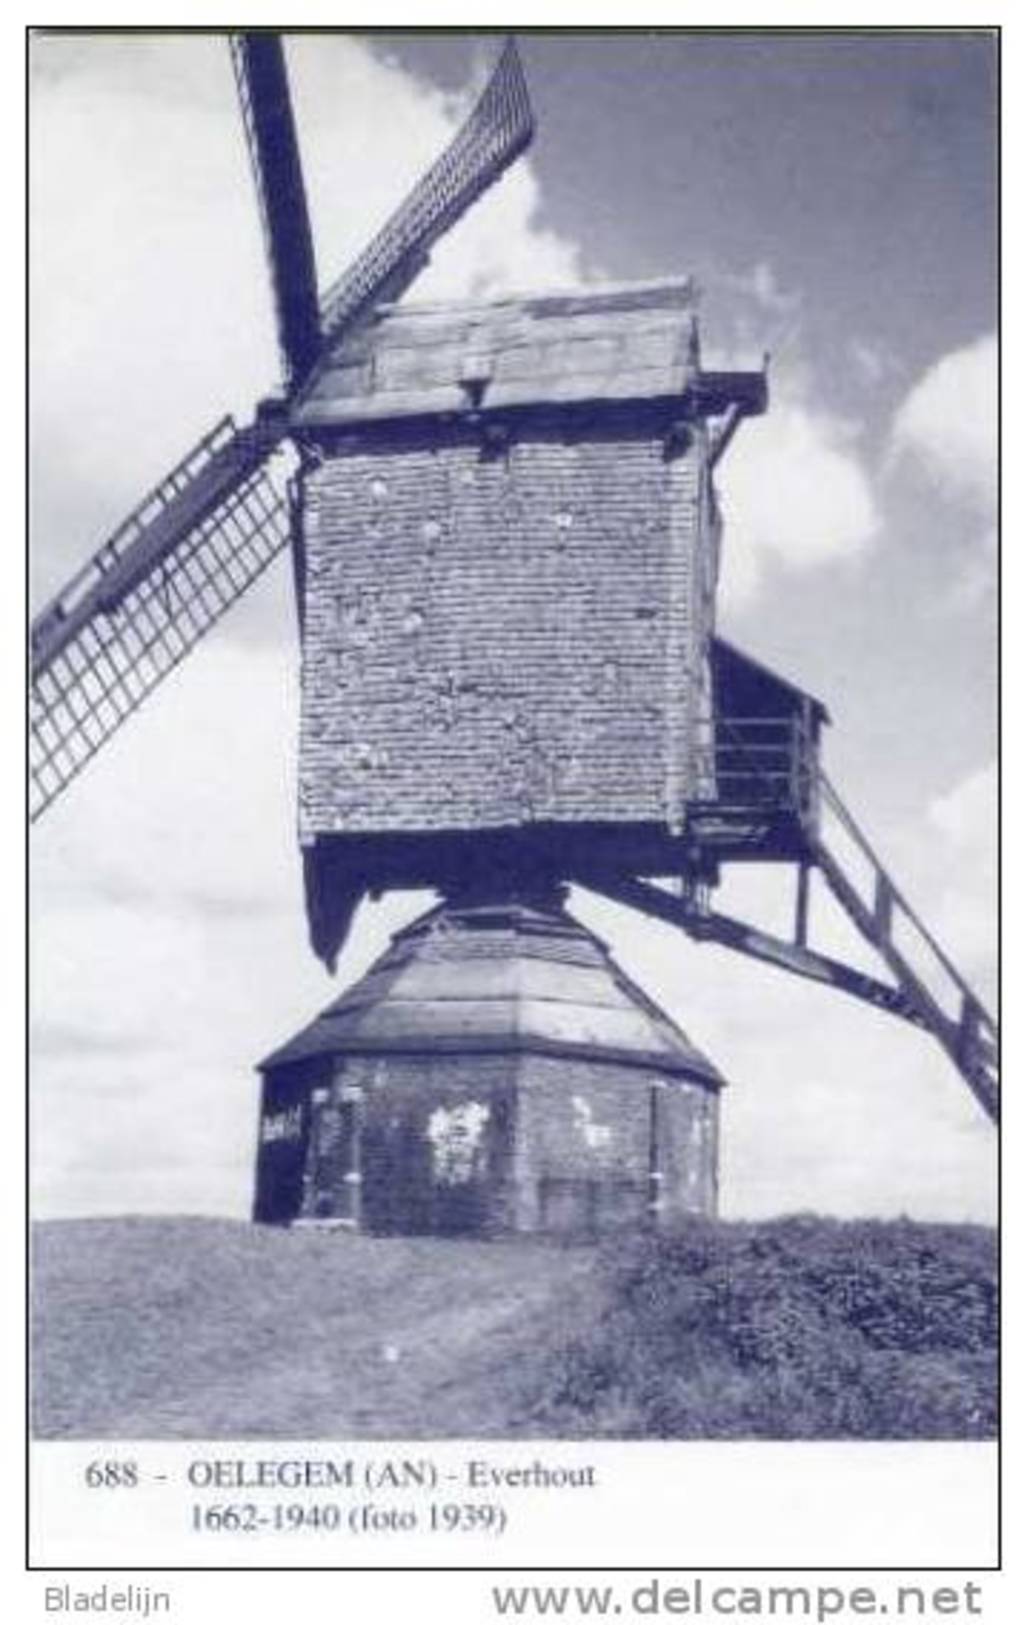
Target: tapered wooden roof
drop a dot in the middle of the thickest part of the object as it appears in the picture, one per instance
(498, 977)
(614, 343)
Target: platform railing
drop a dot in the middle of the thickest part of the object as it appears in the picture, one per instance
(762, 763)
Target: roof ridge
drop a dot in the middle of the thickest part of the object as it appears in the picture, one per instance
(683, 284)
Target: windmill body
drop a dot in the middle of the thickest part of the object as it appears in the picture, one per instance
(510, 539)
(505, 533)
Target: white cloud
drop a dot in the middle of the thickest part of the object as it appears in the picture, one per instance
(948, 423)
(946, 430)
(872, 362)
(761, 287)
(964, 907)
(795, 494)
(192, 804)
(965, 814)
(974, 577)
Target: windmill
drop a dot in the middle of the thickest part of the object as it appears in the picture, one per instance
(497, 700)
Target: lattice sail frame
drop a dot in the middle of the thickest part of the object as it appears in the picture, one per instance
(125, 621)
(498, 129)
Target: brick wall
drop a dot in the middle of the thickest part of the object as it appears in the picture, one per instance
(436, 1141)
(687, 1133)
(497, 639)
(491, 1144)
(582, 1124)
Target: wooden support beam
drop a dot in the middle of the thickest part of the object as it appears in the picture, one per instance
(883, 898)
(726, 433)
(750, 940)
(802, 905)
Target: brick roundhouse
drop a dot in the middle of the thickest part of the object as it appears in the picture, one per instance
(495, 1071)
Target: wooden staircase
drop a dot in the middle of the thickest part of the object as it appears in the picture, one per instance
(943, 1000)
(775, 803)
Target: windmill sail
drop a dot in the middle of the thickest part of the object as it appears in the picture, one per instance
(148, 595)
(270, 131)
(498, 129)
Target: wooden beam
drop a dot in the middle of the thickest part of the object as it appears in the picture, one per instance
(750, 940)
(802, 906)
(726, 433)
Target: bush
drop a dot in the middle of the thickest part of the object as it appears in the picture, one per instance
(801, 1328)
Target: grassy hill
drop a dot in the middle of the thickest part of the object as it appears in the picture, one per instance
(809, 1328)
(178, 1328)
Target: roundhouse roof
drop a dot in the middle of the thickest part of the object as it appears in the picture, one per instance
(499, 977)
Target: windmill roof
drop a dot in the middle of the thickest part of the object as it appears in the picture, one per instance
(624, 342)
(499, 977)
(728, 657)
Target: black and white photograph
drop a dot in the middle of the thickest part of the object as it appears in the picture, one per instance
(513, 759)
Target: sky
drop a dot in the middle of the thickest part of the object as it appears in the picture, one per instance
(835, 198)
